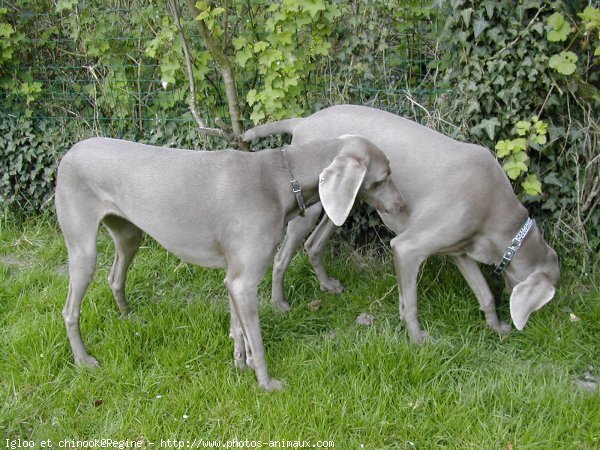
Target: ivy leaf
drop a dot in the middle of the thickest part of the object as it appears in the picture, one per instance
(503, 148)
(168, 68)
(6, 30)
(489, 6)
(291, 81)
(260, 46)
(251, 97)
(257, 115)
(332, 12)
(517, 146)
(313, 7)
(515, 164)
(321, 47)
(242, 57)
(496, 35)
(523, 127)
(590, 15)
(560, 28)
(479, 27)
(541, 127)
(203, 15)
(521, 157)
(239, 42)
(489, 125)
(552, 178)
(531, 185)
(269, 57)
(564, 62)
(68, 5)
(466, 15)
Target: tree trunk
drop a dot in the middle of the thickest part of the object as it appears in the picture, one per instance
(226, 69)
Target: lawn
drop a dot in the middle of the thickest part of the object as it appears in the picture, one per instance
(167, 375)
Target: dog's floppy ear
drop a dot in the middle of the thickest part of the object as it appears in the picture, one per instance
(338, 186)
(529, 296)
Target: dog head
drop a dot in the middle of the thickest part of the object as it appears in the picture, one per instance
(359, 170)
(531, 277)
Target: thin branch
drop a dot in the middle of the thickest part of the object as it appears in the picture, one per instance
(595, 191)
(190, 72)
(226, 69)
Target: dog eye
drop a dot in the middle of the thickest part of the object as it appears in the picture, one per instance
(377, 184)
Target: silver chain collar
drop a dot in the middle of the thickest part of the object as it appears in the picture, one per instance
(514, 246)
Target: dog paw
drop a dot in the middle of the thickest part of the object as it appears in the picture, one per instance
(272, 385)
(87, 361)
(332, 285)
(241, 365)
(501, 327)
(239, 360)
(421, 337)
(282, 306)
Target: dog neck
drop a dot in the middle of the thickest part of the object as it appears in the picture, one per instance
(304, 164)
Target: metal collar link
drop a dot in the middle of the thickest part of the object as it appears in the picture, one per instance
(296, 188)
(514, 246)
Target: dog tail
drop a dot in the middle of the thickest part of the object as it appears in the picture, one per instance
(280, 127)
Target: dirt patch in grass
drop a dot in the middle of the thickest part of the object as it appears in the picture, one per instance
(13, 262)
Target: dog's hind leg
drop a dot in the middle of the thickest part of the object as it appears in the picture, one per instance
(315, 247)
(127, 238)
(236, 333)
(297, 230)
(80, 237)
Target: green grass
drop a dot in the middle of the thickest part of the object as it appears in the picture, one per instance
(167, 372)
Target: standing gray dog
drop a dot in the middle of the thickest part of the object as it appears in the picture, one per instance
(224, 209)
(460, 203)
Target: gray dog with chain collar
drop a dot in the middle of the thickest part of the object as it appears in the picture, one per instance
(460, 203)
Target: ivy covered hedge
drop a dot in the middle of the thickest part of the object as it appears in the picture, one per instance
(524, 80)
(518, 77)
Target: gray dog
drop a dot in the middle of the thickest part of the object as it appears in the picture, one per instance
(460, 203)
(224, 209)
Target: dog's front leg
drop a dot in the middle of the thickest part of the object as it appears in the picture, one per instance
(470, 270)
(408, 259)
(244, 298)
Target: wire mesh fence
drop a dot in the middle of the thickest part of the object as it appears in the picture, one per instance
(87, 66)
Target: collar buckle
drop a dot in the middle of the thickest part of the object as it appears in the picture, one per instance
(296, 188)
(514, 246)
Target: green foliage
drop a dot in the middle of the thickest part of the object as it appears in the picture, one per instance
(564, 62)
(118, 69)
(503, 61)
(28, 164)
(286, 42)
(6, 44)
(591, 19)
(559, 28)
(514, 152)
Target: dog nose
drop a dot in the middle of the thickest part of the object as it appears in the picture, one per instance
(400, 204)
(395, 208)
